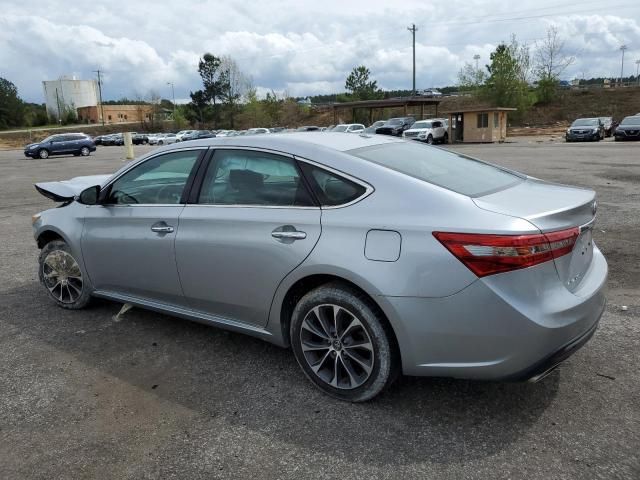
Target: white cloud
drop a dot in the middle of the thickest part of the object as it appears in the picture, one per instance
(301, 47)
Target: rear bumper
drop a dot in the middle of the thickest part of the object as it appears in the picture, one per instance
(503, 327)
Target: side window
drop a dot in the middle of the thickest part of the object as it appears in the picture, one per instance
(159, 180)
(483, 120)
(437, 124)
(331, 189)
(245, 177)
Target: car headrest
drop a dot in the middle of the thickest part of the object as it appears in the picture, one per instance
(245, 180)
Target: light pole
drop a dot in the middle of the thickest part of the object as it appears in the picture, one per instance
(173, 97)
(622, 49)
(413, 31)
(637, 71)
(476, 57)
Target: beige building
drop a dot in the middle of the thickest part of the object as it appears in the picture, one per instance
(115, 113)
(478, 125)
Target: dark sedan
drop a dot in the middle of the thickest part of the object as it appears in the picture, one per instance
(63, 144)
(629, 129)
(585, 129)
(197, 135)
(395, 126)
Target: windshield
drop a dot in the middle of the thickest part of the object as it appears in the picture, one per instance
(421, 125)
(631, 121)
(586, 122)
(446, 169)
(49, 139)
(395, 121)
(339, 128)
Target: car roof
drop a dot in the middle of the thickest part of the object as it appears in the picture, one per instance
(296, 143)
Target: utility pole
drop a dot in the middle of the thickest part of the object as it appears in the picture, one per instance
(173, 96)
(413, 31)
(622, 49)
(476, 57)
(638, 71)
(100, 94)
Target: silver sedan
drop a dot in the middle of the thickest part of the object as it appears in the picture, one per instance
(369, 256)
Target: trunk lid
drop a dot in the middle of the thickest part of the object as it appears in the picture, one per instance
(66, 190)
(552, 207)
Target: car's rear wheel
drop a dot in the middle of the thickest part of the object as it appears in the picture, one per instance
(343, 343)
(43, 153)
(84, 151)
(61, 275)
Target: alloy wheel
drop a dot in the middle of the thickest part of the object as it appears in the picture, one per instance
(62, 276)
(337, 346)
(43, 154)
(84, 151)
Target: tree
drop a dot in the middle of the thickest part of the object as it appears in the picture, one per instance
(359, 85)
(470, 77)
(507, 82)
(213, 81)
(198, 107)
(550, 63)
(234, 85)
(11, 106)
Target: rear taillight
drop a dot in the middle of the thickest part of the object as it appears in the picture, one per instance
(488, 254)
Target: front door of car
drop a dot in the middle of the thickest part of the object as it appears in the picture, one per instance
(253, 223)
(128, 240)
(59, 144)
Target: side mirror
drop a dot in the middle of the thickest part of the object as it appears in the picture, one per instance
(89, 196)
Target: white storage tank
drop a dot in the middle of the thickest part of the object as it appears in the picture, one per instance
(69, 93)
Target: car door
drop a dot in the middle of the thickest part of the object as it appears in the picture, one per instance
(252, 222)
(58, 144)
(128, 239)
(438, 129)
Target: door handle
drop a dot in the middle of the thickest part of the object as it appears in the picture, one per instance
(295, 235)
(162, 228)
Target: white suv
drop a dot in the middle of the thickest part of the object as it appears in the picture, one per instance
(430, 131)
(349, 128)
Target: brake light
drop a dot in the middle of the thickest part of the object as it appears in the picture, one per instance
(489, 254)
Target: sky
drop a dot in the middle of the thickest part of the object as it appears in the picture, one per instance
(301, 47)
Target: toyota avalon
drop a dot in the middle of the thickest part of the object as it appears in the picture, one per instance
(369, 256)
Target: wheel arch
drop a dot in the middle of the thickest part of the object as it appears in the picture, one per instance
(284, 304)
(48, 235)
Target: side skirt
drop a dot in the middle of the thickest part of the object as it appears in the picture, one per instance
(192, 315)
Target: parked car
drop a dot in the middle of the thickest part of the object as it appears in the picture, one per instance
(585, 129)
(395, 126)
(429, 92)
(61, 144)
(167, 139)
(113, 139)
(153, 138)
(182, 133)
(609, 125)
(629, 129)
(140, 139)
(434, 264)
(348, 128)
(258, 131)
(374, 126)
(308, 128)
(277, 129)
(198, 135)
(429, 131)
(98, 139)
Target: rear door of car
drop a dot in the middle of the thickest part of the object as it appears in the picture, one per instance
(250, 221)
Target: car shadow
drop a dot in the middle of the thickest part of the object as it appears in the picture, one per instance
(251, 384)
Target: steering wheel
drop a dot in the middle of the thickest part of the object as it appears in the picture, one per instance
(166, 195)
(120, 195)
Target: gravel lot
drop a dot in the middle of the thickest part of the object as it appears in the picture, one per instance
(150, 396)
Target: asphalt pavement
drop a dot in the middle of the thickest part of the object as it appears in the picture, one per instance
(83, 395)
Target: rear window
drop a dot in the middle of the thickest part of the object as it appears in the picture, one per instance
(446, 169)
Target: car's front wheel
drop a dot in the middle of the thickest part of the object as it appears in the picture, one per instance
(61, 275)
(84, 151)
(343, 343)
(43, 153)
(430, 139)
